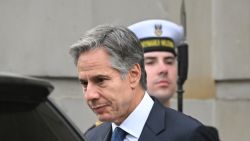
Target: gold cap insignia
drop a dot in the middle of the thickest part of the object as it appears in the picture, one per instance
(158, 30)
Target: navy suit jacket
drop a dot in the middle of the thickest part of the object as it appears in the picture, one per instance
(163, 124)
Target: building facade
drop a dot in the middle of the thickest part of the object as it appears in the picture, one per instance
(35, 37)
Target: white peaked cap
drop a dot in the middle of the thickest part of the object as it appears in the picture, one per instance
(147, 28)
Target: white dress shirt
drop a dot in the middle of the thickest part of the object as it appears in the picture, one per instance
(135, 122)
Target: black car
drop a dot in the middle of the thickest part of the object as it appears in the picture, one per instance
(27, 113)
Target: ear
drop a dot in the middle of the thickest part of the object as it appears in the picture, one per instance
(134, 75)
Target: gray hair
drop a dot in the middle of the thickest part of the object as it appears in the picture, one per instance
(121, 44)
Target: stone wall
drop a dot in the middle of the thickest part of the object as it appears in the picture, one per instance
(35, 37)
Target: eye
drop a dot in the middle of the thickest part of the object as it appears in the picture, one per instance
(149, 62)
(84, 83)
(170, 61)
(100, 80)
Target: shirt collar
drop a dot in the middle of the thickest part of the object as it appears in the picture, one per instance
(138, 117)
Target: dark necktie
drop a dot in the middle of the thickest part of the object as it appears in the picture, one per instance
(118, 134)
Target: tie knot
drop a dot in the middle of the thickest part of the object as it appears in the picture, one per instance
(118, 134)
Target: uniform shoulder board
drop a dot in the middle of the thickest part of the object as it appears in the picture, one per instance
(97, 123)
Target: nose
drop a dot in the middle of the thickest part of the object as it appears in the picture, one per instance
(91, 93)
(163, 68)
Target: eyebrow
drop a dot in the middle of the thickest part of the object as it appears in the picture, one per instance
(170, 57)
(94, 77)
(153, 57)
(150, 57)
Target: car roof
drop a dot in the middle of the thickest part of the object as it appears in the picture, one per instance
(21, 88)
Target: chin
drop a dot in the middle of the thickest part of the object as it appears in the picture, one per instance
(105, 118)
(164, 95)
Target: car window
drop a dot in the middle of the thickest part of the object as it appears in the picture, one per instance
(34, 122)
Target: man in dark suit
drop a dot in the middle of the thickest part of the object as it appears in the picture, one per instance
(110, 65)
(162, 125)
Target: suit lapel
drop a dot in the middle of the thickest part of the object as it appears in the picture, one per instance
(107, 133)
(102, 132)
(154, 124)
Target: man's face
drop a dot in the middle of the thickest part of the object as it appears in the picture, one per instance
(110, 97)
(161, 74)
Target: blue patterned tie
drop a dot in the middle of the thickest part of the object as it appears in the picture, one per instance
(118, 134)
